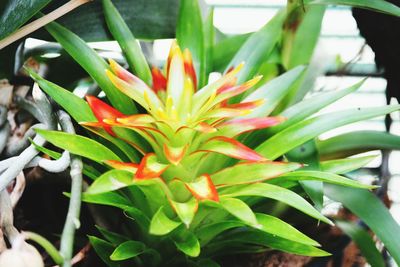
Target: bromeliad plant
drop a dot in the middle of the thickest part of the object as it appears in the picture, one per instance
(197, 166)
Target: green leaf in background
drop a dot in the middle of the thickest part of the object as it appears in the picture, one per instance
(320, 176)
(224, 51)
(310, 106)
(303, 131)
(79, 145)
(209, 40)
(129, 45)
(128, 250)
(93, 64)
(103, 249)
(14, 13)
(189, 33)
(111, 181)
(257, 46)
(341, 166)
(273, 92)
(372, 212)
(352, 143)
(277, 193)
(147, 19)
(301, 37)
(364, 242)
(376, 5)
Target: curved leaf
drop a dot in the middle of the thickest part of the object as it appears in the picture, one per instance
(187, 242)
(357, 142)
(161, 225)
(79, 145)
(303, 131)
(341, 166)
(240, 210)
(275, 192)
(111, 181)
(310, 106)
(274, 242)
(251, 172)
(321, 176)
(128, 250)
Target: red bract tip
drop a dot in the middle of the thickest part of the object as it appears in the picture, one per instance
(189, 69)
(159, 81)
(203, 188)
(150, 168)
(103, 111)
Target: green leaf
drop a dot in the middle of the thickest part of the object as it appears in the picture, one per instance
(189, 33)
(275, 192)
(161, 225)
(310, 106)
(301, 37)
(364, 242)
(128, 250)
(240, 210)
(372, 212)
(187, 242)
(341, 166)
(225, 50)
(103, 249)
(274, 242)
(376, 5)
(112, 237)
(273, 92)
(257, 46)
(305, 130)
(73, 104)
(108, 199)
(14, 13)
(93, 64)
(87, 21)
(111, 181)
(276, 226)
(357, 142)
(121, 32)
(209, 40)
(79, 145)
(186, 210)
(320, 176)
(246, 172)
(207, 232)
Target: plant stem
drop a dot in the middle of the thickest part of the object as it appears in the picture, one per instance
(72, 220)
(46, 245)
